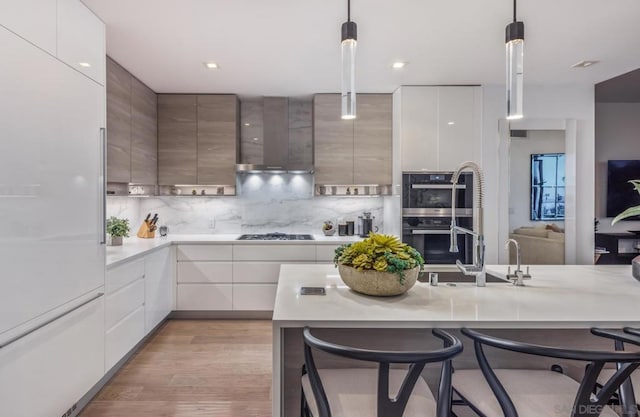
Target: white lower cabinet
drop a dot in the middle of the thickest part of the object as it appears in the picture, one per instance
(258, 297)
(159, 269)
(325, 253)
(256, 272)
(122, 337)
(239, 277)
(122, 302)
(201, 297)
(204, 272)
(139, 296)
(281, 253)
(123, 275)
(46, 372)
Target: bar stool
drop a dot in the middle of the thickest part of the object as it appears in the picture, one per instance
(625, 395)
(364, 392)
(538, 393)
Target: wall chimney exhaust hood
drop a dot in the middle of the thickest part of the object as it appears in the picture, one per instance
(276, 152)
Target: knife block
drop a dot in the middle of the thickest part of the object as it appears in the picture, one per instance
(147, 230)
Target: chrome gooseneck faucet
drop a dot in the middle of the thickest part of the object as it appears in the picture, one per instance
(478, 268)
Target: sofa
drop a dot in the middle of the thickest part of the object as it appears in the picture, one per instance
(540, 245)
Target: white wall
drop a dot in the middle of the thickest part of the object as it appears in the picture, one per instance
(617, 136)
(542, 102)
(540, 141)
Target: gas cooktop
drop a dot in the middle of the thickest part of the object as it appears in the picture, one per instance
(275, 236)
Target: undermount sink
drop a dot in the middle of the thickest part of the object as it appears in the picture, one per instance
(459, 277)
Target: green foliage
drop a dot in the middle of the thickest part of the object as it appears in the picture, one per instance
(118, 227)
(631, 211)
(384, 253)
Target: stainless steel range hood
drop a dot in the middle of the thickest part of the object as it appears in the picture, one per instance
(275, 116)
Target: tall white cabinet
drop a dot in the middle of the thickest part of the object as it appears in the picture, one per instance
(437, 128)
(51, 199)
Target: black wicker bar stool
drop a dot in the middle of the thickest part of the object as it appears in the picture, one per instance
(364, 392)
(539, 393)
(626, 396)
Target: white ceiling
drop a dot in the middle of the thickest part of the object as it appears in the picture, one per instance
(292, 47)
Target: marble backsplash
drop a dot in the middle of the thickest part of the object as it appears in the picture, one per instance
(265, 203)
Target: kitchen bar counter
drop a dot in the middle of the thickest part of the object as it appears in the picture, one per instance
(567, 296)
(135, 247)
(558, 306)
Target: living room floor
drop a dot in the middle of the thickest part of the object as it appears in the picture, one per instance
(194, 368)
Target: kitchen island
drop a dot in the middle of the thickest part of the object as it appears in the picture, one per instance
(558, 307)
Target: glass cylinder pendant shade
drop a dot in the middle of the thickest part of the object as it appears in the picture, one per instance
(515, 70)
(349, 70)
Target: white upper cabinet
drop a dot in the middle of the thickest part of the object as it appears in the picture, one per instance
(81, 39)
(418, 127)
(33, 20)
(440, 127)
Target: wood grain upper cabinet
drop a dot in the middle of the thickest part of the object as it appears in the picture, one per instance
(144, 134)
(177, 139)
(132, 136)
(218, 135)
(372, 139)
(353, 151)
(333, 142)
(118, 123)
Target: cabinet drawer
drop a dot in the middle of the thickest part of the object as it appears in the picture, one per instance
(124, 275)
(254, 296)
(204, 253)
(256, 272)
(325, 253)
(282, 253)
(204, 297)
(123, 337)
(123, 302)
(205, 272)
(46, 372)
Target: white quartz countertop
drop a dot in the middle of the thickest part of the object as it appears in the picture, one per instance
(134, 247)
(557, 297)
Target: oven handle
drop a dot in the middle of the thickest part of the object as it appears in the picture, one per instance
(433, 232)
(437, 186)
(436, 212)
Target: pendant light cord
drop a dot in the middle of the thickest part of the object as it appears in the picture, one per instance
(349, 10)
(514, 10)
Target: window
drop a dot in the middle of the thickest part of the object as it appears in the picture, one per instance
(547, 186)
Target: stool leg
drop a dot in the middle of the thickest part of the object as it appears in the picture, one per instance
(304, 409)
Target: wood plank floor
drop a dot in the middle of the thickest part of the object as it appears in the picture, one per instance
(194, 368)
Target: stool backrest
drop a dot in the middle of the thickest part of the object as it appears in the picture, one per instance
(387, 407)
(586, 404)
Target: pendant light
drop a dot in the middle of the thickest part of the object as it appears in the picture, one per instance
(349, 40)
(515, 69)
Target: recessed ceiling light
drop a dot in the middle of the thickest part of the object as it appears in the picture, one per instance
(247, 124)
(84, 64)
(211, 65)
(256, 139)
(584, 64)
(398, 65)
(451, 123)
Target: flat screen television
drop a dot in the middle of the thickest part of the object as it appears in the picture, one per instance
(620, 193)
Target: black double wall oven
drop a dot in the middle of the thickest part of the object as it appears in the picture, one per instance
(426, 215)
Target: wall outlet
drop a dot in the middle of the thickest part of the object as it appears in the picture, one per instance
(212, 223)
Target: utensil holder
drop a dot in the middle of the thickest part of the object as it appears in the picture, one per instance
(147, 230)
